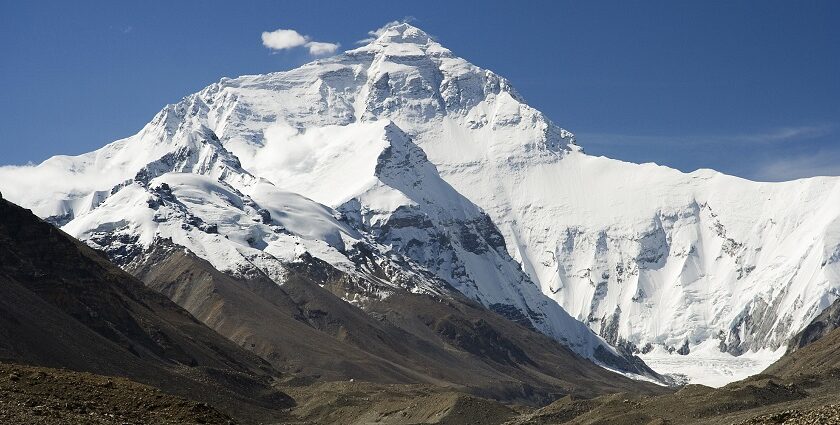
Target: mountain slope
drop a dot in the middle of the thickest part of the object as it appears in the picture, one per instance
(64, 305)
(403, 338)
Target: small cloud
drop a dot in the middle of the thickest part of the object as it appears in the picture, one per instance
(284, 39)
(317, 48)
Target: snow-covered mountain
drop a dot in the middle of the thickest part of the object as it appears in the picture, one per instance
(441, 170)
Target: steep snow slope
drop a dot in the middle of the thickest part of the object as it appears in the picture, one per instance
(655, 260)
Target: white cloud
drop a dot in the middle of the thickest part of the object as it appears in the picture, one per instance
(284, 39)
(317, 48)
(281, 39)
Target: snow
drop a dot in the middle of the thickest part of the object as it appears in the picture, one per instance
(302, 216)
(407, 147)
(331, 165)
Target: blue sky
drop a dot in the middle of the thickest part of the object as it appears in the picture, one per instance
(748, 88)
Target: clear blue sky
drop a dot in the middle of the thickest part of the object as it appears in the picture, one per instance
(748, 88)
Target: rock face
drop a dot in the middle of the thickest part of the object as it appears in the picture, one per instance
(814, 351)
(401, 155)
(824, 324)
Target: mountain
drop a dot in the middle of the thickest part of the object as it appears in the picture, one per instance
(403, 155)
(63, 305)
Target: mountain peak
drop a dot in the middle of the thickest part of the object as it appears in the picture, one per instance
(402, 39)
(402, 33)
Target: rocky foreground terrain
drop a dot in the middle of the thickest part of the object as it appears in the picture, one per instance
(38, 395)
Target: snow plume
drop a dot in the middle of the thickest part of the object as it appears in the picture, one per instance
(284, 39)
(373, 35)
(287, 149)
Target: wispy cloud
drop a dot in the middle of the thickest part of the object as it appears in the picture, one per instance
(284, 39)
(822, 163)
(777, 154)
(772, 136)
(787, 134)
